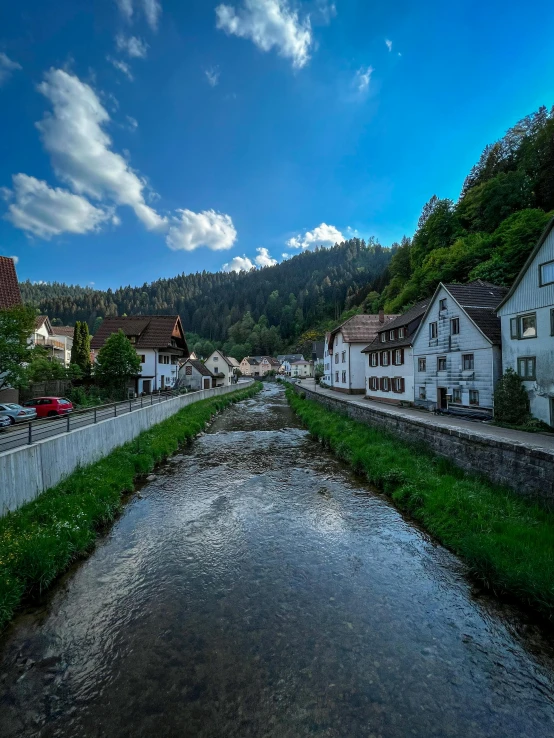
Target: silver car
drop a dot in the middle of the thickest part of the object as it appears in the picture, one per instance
(17, 413)
(5, 422)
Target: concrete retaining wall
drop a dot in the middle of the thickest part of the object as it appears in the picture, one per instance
(27, 471)
(528, 471)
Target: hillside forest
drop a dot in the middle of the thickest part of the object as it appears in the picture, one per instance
(506, 201)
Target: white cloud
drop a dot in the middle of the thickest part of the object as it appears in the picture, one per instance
(363, 78)
(326, 11)
(135, 47)
(47, 211)
(388, 42)
(81, 150)
(122, 66)
(269, 23)
(264, 258)
(151, 8)
(15, 259)
(190, 230)
(133, 123)
(212, 75)
(238, 264)
(286, 256)
(7, 66)
(323, 235)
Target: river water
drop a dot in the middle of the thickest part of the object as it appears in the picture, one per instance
(258, 589)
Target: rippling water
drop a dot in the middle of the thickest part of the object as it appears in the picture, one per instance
(257, 589)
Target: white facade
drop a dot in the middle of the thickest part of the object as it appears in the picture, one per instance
(249, 369)
(527, 317)
(454, 362)
(193, 378)
(57, 347)
(390, 374)
(302, 369)
(217, 363)
(159, 370)
(327, 361)
(348, 365)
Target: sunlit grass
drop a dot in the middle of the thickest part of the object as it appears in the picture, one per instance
(41, 539)
(507, 541)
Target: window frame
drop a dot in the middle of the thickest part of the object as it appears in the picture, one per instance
(443, 304)
(455, 322)
(457, 392)
(391, 335)
(401, 332)
(471, 358)
(474, 392)
(336, 376)
(383, 337)
(422, 360)
(519, 319)
(440, 359)
(343, 377)
(433, 330)
(527, 377)
(343, 357)
(385, 358)
(545, 263)
(422, 394)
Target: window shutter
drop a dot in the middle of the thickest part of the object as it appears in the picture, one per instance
(390, 357)
(382, 384)
(402, 384)
(381, 358)
(401, 356)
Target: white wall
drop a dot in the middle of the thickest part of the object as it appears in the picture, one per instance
(405, 370)
(217, 364)
(26, 472)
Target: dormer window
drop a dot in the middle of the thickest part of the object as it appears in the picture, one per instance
(391, 335)
(401, 332)
(383, 338)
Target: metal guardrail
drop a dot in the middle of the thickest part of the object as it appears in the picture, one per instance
(23, 434)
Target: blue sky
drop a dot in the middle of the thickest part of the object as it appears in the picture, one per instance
(144, 138)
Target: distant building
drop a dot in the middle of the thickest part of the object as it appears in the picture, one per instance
(327, 361)
(223, 369)
(160, 342)
(389, 368)
(302, 369)
(457, 354)
(57, 345)
(345, 345)
(285, 362)
(258, 366)
(10, 295)
(194, 375)
(527, 317)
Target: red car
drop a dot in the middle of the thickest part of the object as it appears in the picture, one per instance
(50, 406)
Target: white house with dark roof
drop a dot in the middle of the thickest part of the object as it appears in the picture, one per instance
(389, 368)
(286, 361)
(160, 342)
(345, 345)
(222, 368)
(302, 369)
(194, 375)
(457, 348)
(527, 318)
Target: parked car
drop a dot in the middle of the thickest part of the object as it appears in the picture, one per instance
(50, 406)
(17, 413)
(5, 422)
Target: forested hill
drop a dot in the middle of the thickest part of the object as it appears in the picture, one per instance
(506, 201)
(271, 307)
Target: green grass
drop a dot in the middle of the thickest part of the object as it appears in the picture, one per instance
(507, 541)
(41, 539)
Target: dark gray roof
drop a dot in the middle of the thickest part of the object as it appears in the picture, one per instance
(487, 320)
(416, 311)
(199, 366)
(477, 294)
(409, 320)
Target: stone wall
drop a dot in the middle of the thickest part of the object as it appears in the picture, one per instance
(27, 471)
(527, 470)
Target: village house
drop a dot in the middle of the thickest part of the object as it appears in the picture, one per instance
(223, 369)
(527, 318)
(345, 346)
(285, 361)
(194, 376)
(389, 368)
(302, 369)
(160, 342)
(327, 361)
(258, 366)
(457, 354)
(57, 344)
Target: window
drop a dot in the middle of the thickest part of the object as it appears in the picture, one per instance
(441, 363)
(215, 358)
(188, 370)
(422, 364)
(337, 358)
(142, 359)
(344, 376)
(344, 357)
(422, 393)
(398, 384)
(385, 384)
(384, 358)
(336, 376)
(398, 357)
(391, 335)
(373, 383)
(383, 338)
(473, 397)
(442, 304)
(526, 367)
(467, 362)
(524, 326)
(433, 330)
(454, 326)
(401, 332)
(456, 395)
(546, 273)
(374, 359)
(552, 322)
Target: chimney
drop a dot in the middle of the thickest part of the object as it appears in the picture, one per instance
(381, 316)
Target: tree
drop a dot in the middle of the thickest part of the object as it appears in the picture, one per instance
(117, 362)
(511, 402)
(80, 351)
(16, 326)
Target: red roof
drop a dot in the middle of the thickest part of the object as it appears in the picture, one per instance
(10, 296)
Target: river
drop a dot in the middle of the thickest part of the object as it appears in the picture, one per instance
(256, 588)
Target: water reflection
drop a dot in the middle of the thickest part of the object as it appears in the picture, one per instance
(256, 589)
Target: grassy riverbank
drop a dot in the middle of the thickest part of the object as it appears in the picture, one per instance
(507, 541)
(40, 540)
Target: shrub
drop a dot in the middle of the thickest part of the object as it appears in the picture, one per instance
(511, 402)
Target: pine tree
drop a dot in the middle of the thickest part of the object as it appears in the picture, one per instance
(80, 351)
